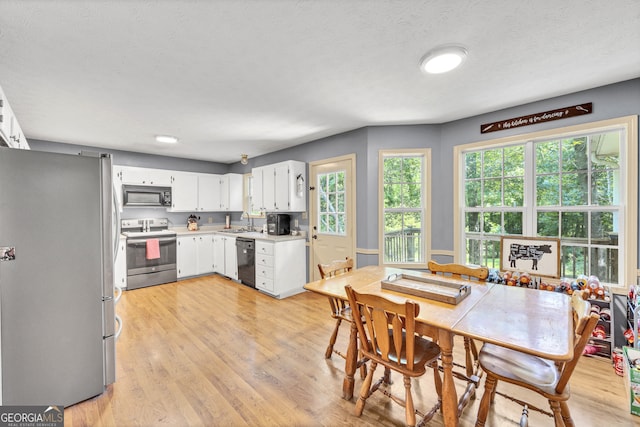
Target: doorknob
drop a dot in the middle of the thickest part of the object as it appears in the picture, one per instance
(315, 236)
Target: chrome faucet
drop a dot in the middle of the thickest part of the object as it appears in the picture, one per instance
(249, 220)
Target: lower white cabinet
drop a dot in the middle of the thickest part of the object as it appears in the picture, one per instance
(280, 267)
(186, 256)
(195, 255)
(225, 258)
(204, 253)
(120, 264)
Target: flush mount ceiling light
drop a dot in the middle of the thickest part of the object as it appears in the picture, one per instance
(244, 159)
(443, 59)
(168, 139)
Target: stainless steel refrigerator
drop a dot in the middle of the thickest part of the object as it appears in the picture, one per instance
(56, 277)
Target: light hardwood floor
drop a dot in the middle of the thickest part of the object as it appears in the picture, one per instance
(210, 352)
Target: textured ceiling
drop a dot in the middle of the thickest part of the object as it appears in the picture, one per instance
(249, 76)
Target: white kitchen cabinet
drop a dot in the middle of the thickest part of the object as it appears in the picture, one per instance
(203, 192)
(230, 258)
(282, 193)
(209, 192)
(280, 187)
(204, 253)
(142, 176)
(231, 191)
(195, 255)
(10, 129)
(186, 256)
(133, 175)
(280, 267)
(184, 192)
(190, 191)
(120, 264)
(257, 186)
(225, 256)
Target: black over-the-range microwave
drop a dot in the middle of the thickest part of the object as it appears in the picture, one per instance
(146, 195)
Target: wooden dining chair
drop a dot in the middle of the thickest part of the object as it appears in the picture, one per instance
(387, 337)
(461, 271)
(340, 309)
(537, 374)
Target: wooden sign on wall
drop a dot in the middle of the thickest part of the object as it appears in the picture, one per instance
(532, 119)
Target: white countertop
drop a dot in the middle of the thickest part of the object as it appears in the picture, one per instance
(182, 231)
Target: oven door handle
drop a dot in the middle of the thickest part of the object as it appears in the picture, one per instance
(144, 241)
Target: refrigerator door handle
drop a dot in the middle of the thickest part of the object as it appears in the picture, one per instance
(116, 236)
(119, 320)
(118, 294)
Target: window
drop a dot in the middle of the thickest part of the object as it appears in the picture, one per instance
(569, 184)
(331, 201)
(248, 196)
(403, 217)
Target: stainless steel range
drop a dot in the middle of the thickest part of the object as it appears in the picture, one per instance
(151, 252)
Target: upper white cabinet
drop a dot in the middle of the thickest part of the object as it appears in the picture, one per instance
(231, 191)
(10, 129)
(184, 192)
(208, 192)
(142, 176)
(190, 191)
(280, 187)
(138, 176)
(257, 184)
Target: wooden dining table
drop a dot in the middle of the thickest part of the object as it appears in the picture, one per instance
(528, 320)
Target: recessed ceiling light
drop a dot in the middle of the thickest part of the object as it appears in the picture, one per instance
(443, 59)
(166, 139)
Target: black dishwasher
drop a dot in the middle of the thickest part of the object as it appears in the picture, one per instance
(246, 261)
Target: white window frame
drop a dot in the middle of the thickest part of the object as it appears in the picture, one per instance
(425, 153)
(629, 180)
(247, 194)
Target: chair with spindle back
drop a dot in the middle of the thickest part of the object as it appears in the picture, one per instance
(537, 374)
(340, 309)
(387, 337)
(460, 271)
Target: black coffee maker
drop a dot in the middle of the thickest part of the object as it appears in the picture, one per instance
(278, 224)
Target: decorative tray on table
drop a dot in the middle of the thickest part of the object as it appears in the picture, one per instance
(447, 290)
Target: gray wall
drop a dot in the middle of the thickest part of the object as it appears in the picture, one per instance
(617, 100)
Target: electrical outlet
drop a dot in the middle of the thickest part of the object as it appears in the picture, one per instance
(304, 215)
(210, 220)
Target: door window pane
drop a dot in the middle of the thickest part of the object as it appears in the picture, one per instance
(331, 203)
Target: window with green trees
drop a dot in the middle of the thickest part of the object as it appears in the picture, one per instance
(403, 207)
(566, 187)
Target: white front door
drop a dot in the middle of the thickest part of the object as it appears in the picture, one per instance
(332, 210)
